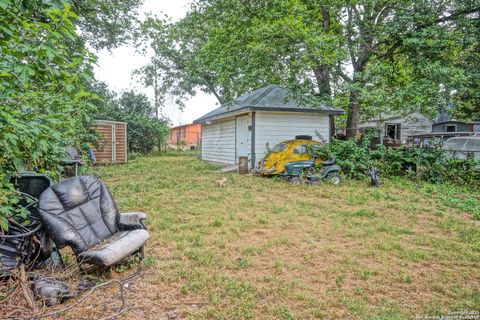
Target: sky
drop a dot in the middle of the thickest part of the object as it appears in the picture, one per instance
(116, 67)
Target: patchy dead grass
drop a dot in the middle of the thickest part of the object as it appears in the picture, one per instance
(265, 249)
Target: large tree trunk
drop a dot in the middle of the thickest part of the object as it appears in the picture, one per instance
(155, 90)
(353, 115)
(322, 75)
(321, 71)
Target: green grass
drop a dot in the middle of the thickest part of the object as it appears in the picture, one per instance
(264, 249)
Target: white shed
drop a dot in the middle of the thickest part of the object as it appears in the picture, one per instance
(263, 117)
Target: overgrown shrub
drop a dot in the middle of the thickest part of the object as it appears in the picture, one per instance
(44, 106)
(145, 132)
(353, 156)
(433, 165)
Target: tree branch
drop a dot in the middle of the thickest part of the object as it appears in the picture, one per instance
(390, 52)
(350, 36)
(342, 74)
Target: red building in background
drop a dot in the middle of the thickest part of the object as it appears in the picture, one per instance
(187, 135)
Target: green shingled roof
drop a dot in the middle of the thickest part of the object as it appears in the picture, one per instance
(270, 98)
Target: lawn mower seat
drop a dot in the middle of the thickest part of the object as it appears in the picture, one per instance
(80, 212)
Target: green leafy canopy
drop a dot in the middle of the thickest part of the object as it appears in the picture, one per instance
(146, 133)
(45, 73)
(366, 56)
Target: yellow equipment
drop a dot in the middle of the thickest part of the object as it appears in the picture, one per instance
(284, 152)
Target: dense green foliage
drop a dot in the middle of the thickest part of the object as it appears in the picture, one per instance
(433, 165)
(106, 23)
(45, 72)
(43, 103)
(145, 132)
(366, 56)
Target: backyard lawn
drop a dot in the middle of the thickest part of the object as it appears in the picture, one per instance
(264, 249)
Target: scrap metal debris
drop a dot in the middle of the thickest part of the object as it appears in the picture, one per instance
(374, 180)
(51, 291)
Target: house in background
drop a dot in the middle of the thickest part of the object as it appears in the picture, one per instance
(187, 136)
(259, 119)
(445, 123)
(453, 126)
(394, 130)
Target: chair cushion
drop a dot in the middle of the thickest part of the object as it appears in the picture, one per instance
(115, 248)
(78, 212)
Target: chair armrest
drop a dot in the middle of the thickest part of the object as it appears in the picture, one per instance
(132, 220)
(71, 162)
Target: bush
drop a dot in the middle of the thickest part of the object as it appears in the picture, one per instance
(44, 105)
(432, 165)
(145, 132)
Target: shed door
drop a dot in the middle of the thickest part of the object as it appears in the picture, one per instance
(242, 136)
(106, 152)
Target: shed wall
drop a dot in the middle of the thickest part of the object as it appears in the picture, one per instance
(410, 128)
(120, 143)
(275, 127)
(105, 150)
(414, 124)
(218, 141)
(417, 125)
(113, 146)
(460, 127)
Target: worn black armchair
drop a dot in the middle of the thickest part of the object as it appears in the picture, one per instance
(80, 212)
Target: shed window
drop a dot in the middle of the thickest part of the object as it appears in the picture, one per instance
(451, 128)
(392, 131)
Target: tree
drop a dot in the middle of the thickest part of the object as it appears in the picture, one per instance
(379, 34)
(45, 74)
(366, 56)
(175, 70)
(145, 132)
(106, 23)
(44, 105)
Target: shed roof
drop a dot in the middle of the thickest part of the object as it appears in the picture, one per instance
(451, 121)
(270, 98)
